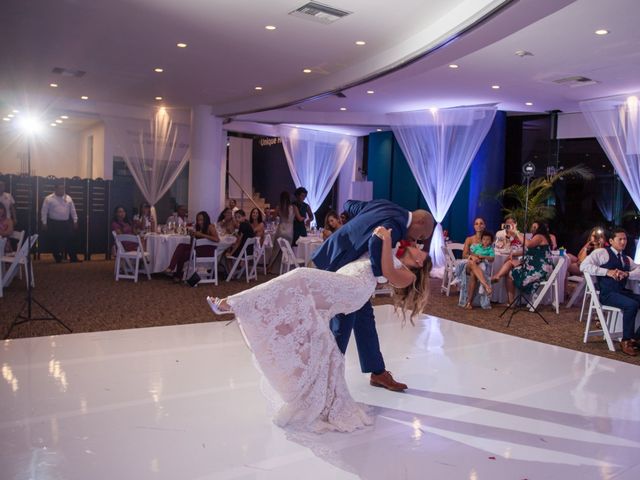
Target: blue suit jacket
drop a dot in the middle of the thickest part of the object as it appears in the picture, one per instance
(352, 240)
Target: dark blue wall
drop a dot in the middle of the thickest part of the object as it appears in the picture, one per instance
(392, 179)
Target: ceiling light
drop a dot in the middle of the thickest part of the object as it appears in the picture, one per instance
(270, 27)
(10, 115)
(54, 124)
(54, 85)
(361, 43)
(30, 125)
(453, 65)
(6, 119)
(257, 88)
(306, 70)
(181, 45)
(528, 104)
(371, 92)
(495, 87)
(378, 129)
(64, 117)
(158, 98)
(84, 97)
(58, 121)
(433, 109)
(158, 70)
(16, 111)
(601, 31)
(343, 109)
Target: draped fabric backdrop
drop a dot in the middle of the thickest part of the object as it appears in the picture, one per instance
(155, 155)
(615, 122)
(439, 146)
(315, 159)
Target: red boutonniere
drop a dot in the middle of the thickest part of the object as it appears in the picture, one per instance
(402, 247)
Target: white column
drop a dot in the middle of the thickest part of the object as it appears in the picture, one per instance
(207, 167)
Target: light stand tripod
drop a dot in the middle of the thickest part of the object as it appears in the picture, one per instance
(29, 301)
(528, 170)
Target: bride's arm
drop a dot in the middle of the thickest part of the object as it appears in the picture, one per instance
(399, 278)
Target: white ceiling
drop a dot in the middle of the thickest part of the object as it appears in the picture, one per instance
(119, 42)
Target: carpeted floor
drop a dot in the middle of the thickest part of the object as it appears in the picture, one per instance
(86, 297)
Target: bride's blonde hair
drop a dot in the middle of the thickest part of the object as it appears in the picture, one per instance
(414, 297)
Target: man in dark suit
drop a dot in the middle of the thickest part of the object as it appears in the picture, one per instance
(349, 243)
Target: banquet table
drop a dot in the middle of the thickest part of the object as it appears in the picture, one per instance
(161, 248)
(499, 294)
(306, 247)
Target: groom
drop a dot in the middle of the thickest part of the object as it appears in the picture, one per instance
(349, 243)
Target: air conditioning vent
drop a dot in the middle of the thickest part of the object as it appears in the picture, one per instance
(68, 72)
(317, 12)
(576, 81)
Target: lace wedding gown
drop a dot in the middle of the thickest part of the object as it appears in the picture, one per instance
(286, 322)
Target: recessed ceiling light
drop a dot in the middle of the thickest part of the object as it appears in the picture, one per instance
(495, 87)
(378, 129)
(306, 70)
(158, 98)
(371, 92)
(601, 31)
(158, 70)
(6, 119)
(528, 104)
(257, 88)
(453, 65)
(342, 109)
(361, 43)
(10, 115)
(64, 117)
(16, 111)
(181, 45)
(54, 124)
(54, 85)
(270, 27)
(58, 121)
(84, 97)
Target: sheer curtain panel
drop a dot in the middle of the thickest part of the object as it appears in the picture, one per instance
(315, 159)
(439, 146)
(615, 121)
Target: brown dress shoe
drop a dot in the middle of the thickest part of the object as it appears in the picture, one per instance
(627, 347)
(385, 380)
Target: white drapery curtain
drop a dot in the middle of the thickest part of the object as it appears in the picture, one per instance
(154, 155)
(615, 122)
(439, 146)
(315, 159)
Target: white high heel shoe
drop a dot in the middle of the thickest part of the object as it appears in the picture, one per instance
(215, 304)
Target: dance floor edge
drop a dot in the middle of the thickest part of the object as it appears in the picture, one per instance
(184, 402)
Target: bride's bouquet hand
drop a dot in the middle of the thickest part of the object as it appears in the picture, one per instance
(382, 232)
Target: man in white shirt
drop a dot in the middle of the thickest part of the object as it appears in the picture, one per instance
(180, 217)
(612, 268)
(9, 203)
(60, 220)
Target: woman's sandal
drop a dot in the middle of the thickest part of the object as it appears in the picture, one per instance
(215, 304)
(468, 306)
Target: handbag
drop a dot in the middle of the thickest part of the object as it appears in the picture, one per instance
(194, 279)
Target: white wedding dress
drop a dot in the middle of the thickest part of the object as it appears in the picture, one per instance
(286, 323)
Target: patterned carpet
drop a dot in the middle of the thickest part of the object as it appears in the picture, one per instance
(86, 297)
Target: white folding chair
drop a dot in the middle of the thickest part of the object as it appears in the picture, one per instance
(259, 253)
(551, 282)
(245, 261)
(127, 263)
(289, 259)
(205, 267)
(577, 292)
(8, 257)
(450, 265)
(607, 315)
(20, 257)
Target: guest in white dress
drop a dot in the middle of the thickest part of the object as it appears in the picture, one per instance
(286, 324)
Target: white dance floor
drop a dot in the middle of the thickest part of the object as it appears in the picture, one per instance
(184, 403)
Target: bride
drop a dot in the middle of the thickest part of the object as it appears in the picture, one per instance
(286, 323)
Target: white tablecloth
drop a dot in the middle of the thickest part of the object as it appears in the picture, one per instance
(306, 247)
(161, 248)
(500, 290)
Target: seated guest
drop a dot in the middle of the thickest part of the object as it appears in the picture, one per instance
(554, 242)
(120, 224)
(6, 227)
(331, 223)
(204, 229)
(536, 265)
(180, 217)
(508, 238)
(143, 221)
(612, 268)
(481, 254)
(255, 219)
(233, 206)
(244, 232)
(344, 217)
(226, 222)
(478, 227)
(596, 239)
(9, 203)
